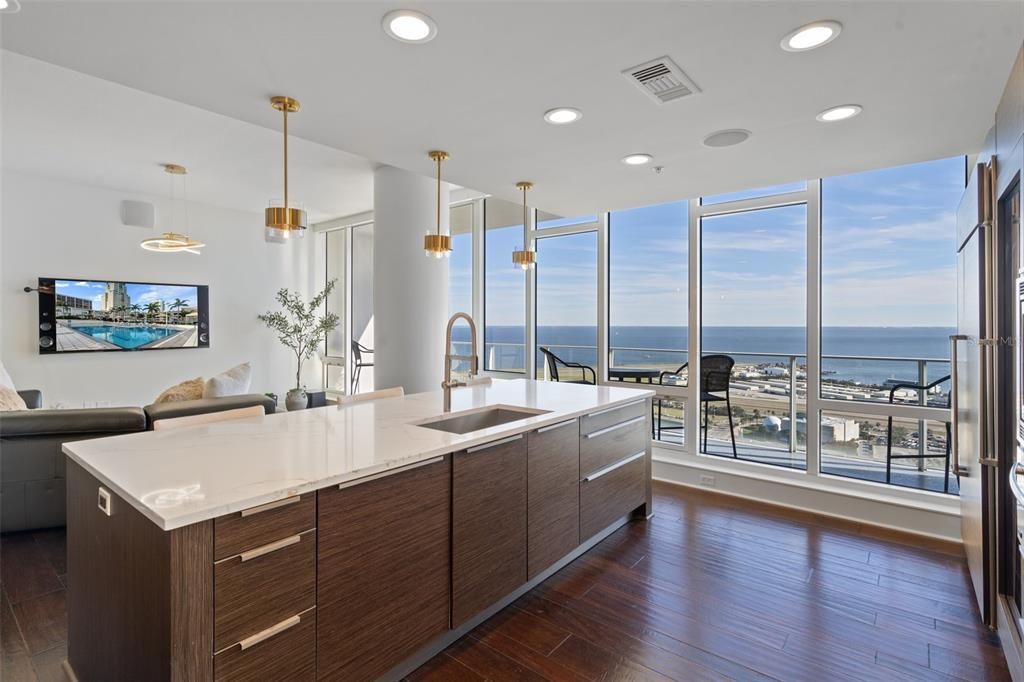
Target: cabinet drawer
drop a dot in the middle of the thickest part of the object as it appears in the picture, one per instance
(273, 582)
(614, 415)
(241, 531)
(611, 444)
(611, 493)
(287, 653)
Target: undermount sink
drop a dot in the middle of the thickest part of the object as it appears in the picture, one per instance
(467, 422)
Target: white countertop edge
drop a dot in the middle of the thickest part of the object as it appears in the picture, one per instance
(493, 433)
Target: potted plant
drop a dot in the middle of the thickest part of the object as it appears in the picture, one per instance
(299, 328)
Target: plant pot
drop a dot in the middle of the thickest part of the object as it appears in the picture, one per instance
(296, 400)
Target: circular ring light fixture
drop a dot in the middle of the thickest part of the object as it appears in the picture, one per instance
(637, 159)
(727, 138)
(839, 113)
(409, 26)
(811, 35)
(562, 115)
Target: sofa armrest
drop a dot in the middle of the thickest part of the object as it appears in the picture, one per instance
(33, 398)
(105, 420)
(187, 408)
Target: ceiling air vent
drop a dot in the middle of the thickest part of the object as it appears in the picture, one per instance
(662, 80)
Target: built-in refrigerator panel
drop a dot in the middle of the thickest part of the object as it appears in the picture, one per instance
(971, 387)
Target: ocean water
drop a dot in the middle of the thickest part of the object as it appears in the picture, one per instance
(662, 346)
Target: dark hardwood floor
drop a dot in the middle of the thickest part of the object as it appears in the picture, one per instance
(712, 588)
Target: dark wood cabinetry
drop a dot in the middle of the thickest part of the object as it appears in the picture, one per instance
(488, 525)
(352, 582)
(553, 494)
(383, 570)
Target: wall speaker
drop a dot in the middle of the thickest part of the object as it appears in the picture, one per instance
(138, 214)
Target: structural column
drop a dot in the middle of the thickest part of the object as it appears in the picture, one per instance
(410, 290)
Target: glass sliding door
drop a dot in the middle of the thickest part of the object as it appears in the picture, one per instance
(336, 259)
(888, 306)
(648, 303)
(362, 309)
(460, 263)
(504, 288)
(567, 304)
(754, 335)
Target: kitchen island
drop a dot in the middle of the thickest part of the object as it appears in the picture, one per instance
(339, 543)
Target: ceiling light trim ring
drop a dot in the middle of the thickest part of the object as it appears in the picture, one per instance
(840, 112)
(829, 24)
(389, 20)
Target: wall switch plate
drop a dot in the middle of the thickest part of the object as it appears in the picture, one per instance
(103, 501)
(707, 480)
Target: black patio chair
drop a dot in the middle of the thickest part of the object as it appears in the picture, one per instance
(358, 362)
(553, 362)
(715, 374)
(889, 457)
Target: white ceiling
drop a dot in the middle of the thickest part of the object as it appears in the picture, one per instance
(927, 73)
(63, 124)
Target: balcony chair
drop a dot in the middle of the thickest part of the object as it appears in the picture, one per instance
(715, 374)
(553, 361)
(358, 362)
(889, 457)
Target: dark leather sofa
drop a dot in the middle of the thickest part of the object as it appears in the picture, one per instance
(32, 492)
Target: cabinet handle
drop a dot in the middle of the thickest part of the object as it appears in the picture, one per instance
(270, 505)
(612, 409)
(616, 427)
(269, 632)
(612, 467)
(270, 547)
(494, 444)
(545, 429)
(389, 472)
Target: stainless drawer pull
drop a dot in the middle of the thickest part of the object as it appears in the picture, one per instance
(616, 427)
(612, 467)
(545, 429)
(269, 632)
(270, 547)
(270, 505)
(503, 441)
(397, 470)
(612, 409)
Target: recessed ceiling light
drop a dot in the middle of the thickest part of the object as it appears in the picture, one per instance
(3, 4)
(637, 159)
(726, 138)
(558, 116)
(840, 113)
(409, 26)
(811, 36)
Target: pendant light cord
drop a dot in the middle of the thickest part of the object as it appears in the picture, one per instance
(284, 110)
(439, 195)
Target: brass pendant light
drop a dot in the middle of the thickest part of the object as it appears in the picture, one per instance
(284, 221)
(525, 258)
(438, 245)
(174, 242)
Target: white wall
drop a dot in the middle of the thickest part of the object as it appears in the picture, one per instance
(54, 228)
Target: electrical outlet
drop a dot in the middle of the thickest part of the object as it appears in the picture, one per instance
(707, 480)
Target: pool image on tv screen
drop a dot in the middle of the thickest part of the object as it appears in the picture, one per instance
(104, 316)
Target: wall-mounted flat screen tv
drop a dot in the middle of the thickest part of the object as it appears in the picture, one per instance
(88, 316)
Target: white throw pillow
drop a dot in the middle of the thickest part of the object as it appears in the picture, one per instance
(235, 381)
(5, 378)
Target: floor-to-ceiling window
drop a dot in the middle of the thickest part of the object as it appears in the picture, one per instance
(567, 304)
(647, 305)
(361, 292)
(754, 334)
(504, 288)
(888, 306)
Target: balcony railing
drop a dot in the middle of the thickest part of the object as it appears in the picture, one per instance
(768, 385)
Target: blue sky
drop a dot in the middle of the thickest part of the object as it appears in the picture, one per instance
(138, 293)
(888, 259)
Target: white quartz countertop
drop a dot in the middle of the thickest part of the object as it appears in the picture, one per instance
(179, 477)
